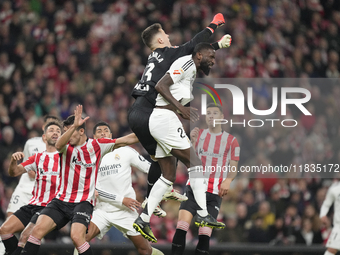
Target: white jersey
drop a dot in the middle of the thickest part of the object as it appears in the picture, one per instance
(333, 196)
(32, 147)
(183, 74)
(114, 178)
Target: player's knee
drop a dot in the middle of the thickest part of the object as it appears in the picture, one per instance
(39, 231)
(4, 230)
(77, 239)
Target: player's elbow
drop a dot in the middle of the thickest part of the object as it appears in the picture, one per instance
(158, 87)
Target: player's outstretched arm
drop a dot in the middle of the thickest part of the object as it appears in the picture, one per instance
(204, 35)
(14, 169)
(78, 121)
(225, 185)
(126, 140)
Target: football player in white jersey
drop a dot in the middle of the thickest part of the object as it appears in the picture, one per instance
(217, 149)
(23, 191)
(116, 201)
(175, 91)
(332, 197)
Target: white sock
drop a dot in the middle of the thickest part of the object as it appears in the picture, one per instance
(75, 252)
(328, 253)
(199, 187)
(156, 251)
(2, 247)
(160, 187)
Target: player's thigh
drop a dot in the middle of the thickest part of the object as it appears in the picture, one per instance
(43, 226)
(99, 225)
(189, 207)
(11, 225)
(19, 198)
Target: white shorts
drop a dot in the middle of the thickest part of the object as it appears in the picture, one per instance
(123, 222)
(168, 131)
(334, 238)
(19, 198)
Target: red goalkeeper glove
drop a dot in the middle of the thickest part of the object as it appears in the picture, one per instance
(218, 20)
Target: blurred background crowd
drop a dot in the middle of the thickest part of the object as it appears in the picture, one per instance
(55, 54)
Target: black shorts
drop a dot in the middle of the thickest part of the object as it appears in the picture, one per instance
(138, 118)
(190, 205)
(28, 213)
(63, 212)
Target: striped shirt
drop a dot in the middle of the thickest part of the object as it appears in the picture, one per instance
(79, 169)
(215, 152)
(47, 169)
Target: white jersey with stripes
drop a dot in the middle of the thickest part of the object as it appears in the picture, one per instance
(183, 74)
(114, 178)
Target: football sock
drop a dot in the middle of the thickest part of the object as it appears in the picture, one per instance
(203, 245)
(32, 246)
(199, 187)
(85, 249)
(17, 251)
(153, 175)
(10, 241)
(160, 187)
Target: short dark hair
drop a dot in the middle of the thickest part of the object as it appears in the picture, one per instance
(202, 46)
(50, 123)
(70, 120)
(149, 33)
(210, 105)
(46, 117)
(101, 123)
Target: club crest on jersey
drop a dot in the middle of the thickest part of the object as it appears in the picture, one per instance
(117, 157)
(91, 150)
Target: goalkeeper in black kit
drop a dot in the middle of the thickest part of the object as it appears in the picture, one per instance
(159, 61)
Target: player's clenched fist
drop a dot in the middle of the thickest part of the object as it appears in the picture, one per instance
(218, 20)
(225, 41)
(194, 134)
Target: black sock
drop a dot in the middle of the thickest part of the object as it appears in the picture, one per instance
(87, 252)
(203, 245)
(153, 175)
(10, 244)
(17, 251)
(30, 249)
(178, 242)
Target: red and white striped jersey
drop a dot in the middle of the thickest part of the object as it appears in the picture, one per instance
(215, 152)
(47, 169)
(79, 169)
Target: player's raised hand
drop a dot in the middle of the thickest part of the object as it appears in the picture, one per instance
(189, 113)
(218, 20)
(225, 41)
(131, 203)
(78, 121)
(18, 156)
(194, 134)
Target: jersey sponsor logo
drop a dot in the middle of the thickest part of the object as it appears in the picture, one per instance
(77, 162)
(109, 167)
(209, 154)
(179, 71)
(117, 157)
(43, 172)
